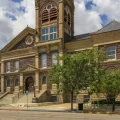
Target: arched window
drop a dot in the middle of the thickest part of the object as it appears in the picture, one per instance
(45, 16)
(69, 19)
(44, 80)
(49, 13)
(8, 83)
(53, 14)
(16, 82)
(65, 16)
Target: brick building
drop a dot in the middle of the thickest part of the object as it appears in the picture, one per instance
(26, 60)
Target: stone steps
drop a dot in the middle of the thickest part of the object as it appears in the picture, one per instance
(7, 99)
(23, 99)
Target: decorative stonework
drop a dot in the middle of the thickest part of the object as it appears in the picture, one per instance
(27, 61)
(28, 68)
(29, 40)
(37, 3)
(26, 42)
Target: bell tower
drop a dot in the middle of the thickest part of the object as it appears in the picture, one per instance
(54, 20)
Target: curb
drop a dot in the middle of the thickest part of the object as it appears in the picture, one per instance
(68, 111)
(89, 112)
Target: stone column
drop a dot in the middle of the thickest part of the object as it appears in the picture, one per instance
(37, 81)
(2, 68)
(2, 84)
(21, 82)
(37, 24)
(2, 77)
(60, 53)
(37, 60)
(37, 72)
(61, 19)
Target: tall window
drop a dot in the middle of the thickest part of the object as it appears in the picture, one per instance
(45, 34)
(111, 53)
(8, 83)
(8, 67)
(16, 82)
(53, 32)
(67, 16)
(44, 61)
(16, 65)
(49, 33)
(54, 58)
(44, 80)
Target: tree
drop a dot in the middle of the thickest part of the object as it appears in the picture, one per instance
(77, 72)
(109, 86)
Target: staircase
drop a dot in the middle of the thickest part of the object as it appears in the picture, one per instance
(42, 96)
(7, 99)
(23, 99)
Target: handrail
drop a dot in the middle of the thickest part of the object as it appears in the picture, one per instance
(16, 97)
(3, 95)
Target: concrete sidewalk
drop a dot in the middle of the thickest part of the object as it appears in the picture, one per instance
(55, 107)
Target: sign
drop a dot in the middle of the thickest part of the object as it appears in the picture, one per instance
(27, 92)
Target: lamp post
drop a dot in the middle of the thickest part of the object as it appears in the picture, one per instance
(34, 91)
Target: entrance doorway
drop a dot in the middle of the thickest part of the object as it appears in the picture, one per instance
(29, 84)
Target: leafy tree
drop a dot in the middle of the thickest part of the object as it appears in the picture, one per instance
(77, 72)
(109, 86)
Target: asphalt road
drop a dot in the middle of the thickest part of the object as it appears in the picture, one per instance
(34, 115)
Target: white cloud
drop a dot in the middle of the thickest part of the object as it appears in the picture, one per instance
(110, 7)
(9, 28)
(85, 20)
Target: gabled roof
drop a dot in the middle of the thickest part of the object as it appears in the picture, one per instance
(18, 38)
(114, 25)
(28, 68)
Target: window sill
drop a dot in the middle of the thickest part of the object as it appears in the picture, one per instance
(112, 60)
(8, 72)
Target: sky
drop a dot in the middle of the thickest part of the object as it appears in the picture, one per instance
(90, 15)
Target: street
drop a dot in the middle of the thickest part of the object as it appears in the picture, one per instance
(36, 115)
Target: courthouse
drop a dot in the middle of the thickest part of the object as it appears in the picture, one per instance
(27, 59)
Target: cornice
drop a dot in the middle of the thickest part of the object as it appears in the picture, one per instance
(27, 52)
(47, 42)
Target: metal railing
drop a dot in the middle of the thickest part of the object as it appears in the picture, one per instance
(16, 97)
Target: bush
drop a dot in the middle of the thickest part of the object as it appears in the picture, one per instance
(102, 102)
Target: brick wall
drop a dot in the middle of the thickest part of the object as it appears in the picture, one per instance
(22, 44)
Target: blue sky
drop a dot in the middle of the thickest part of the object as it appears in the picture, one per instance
(17, 0)
(90, 16)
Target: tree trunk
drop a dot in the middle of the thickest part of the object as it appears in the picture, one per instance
(71, 100)
(113, 106)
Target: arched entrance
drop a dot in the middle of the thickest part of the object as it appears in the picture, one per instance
(29, 84)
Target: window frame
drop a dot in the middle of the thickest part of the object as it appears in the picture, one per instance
(44, 82)
(42, 61)
(8, 67)
(54, 58)
(17, 68)
(46, 34)
(16, 82)
(8, 83)
(111, 55)
(49, 33)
